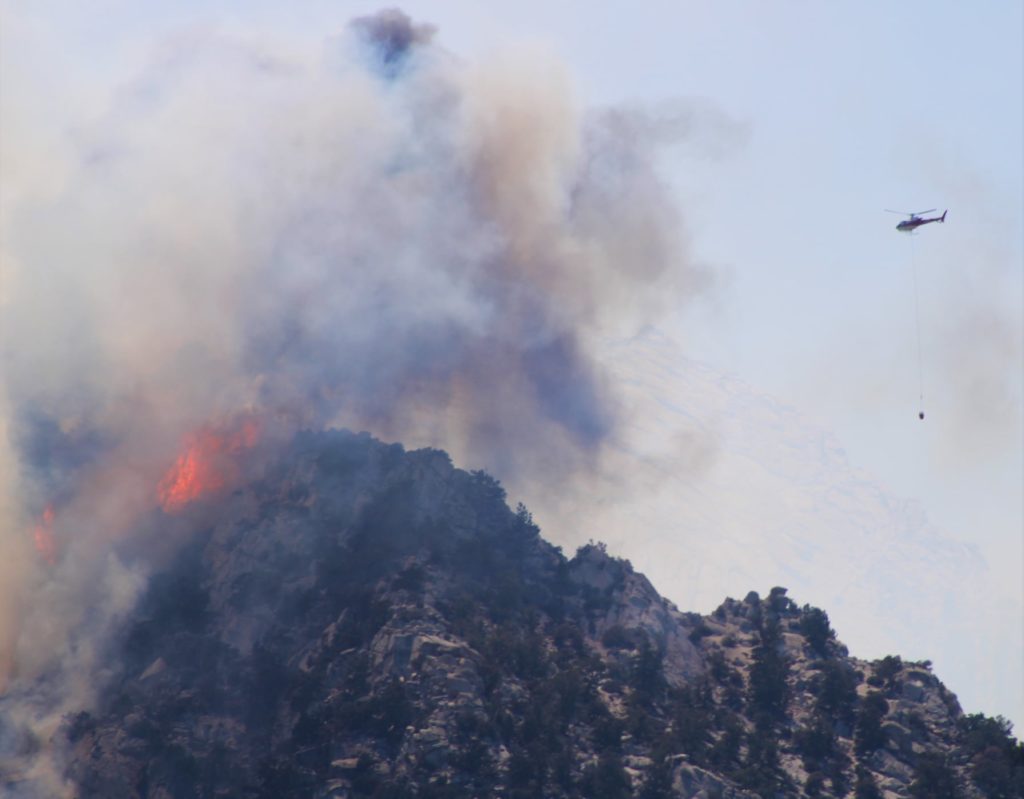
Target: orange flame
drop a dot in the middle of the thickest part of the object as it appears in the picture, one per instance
(42, 537)
(205, 466)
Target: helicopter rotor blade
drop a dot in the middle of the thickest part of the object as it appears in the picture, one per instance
(918, 213)
(901, 213)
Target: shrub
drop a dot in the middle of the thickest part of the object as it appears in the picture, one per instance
(778, 601)
(617, 637)
(659, 781)
(391, 711)
(868, 735)
(865, 787)
(725, 752)
(814, 626)
(700, 630)
(692, 720)
(815, 742)
(979, 732)
(836, 692)
(608, 733)
(606, 779)
(647, 673)
(997, 760)
(718, 667)
(888, 667)
(769, 693)
(814, 784)
(761, 772)
(934, 778)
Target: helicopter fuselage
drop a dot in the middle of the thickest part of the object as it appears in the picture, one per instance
(912, 224)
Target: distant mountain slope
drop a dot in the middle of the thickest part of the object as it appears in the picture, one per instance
(362, 621)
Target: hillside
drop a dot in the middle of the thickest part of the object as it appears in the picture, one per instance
(362, 621)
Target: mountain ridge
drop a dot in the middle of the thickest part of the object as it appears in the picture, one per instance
(357, 620)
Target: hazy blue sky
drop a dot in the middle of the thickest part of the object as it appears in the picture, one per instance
(816, 117)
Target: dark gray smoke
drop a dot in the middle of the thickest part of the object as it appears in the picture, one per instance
(392, 35)
(428, 249)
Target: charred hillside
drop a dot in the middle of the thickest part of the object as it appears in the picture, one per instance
(362, 621)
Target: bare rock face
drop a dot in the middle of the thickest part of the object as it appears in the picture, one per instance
(635, 608)
(362, 621)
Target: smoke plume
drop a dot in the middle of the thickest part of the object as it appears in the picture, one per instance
(379, 236)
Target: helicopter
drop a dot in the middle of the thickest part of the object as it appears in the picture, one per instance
(915, 219)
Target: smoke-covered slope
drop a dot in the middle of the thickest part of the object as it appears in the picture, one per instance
(357, 620)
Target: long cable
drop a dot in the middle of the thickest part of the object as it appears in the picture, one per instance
(917, 325)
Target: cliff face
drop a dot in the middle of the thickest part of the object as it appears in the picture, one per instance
(363, 621)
